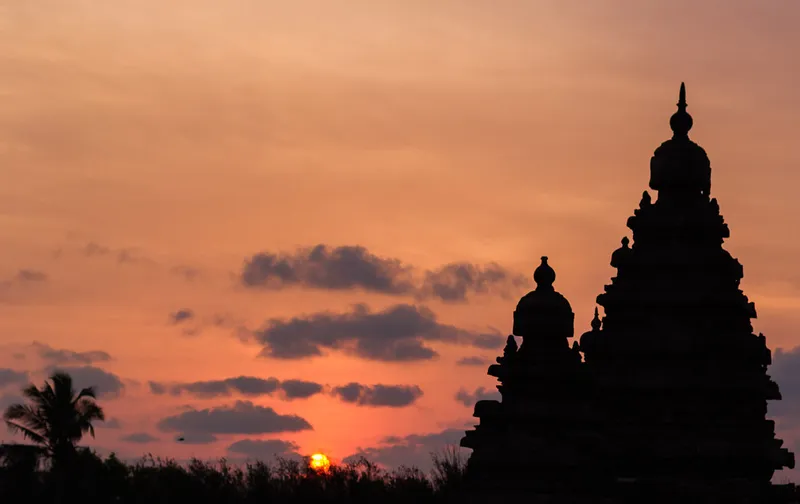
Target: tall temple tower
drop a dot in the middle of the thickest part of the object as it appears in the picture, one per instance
(669, 402)
(680, 378)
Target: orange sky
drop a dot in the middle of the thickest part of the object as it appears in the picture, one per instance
(198, 133)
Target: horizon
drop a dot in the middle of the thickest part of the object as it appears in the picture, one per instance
(171, 173)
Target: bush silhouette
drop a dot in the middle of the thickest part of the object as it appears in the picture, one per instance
(54, 469)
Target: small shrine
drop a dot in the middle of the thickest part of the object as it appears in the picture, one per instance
(527, 442)
(665, 397)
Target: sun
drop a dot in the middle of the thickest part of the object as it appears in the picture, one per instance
(319, 462)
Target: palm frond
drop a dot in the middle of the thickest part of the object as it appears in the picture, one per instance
(26, 432)
(32, 392)
(88, 410)
(26, 415)
(86, 392)
(61, 378)
(56, 416)
(14, 412)
(62, 384)
(47, 393)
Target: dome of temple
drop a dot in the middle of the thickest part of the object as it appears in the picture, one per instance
(543, 309)
(680, 164)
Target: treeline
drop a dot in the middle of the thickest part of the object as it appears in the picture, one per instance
(54, 469)
(25, 478)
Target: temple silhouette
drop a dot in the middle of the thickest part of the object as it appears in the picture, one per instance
(664, 399)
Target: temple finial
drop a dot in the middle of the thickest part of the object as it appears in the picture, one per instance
(544, 276)
(681, 122)
(596, 322)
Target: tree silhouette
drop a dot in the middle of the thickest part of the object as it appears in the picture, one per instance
(56, 417)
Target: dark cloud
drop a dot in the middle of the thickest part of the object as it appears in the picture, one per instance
(472, 361)
(345, 267)
(181, 315)
(300, 389)
(455, 281)
(195, 438)
(107, 385)
(12, 377)
(244, 385)
(264, 449)
(7, 400)
(394, 396)
(785, 371)
(111, 423)
(192, 324)
(27, 275)
(251, 386)
(398, 333)
(414, 450)
(354, 267)
(488, 341)
(20, 279)
(470, 398)
(139, 438)
(157, 387)
(243, 417)
(64, 356)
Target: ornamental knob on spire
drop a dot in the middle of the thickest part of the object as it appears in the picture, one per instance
(596, 322)
(544, 276)
(681, 122)
(543, 313)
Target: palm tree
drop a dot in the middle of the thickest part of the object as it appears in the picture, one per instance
(57, 417)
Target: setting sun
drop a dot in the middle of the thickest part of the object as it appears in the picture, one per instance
(319, 462)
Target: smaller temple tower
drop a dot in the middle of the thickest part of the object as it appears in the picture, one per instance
(532, 440)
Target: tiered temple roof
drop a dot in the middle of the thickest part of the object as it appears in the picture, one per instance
(670, 399)
(533, 440)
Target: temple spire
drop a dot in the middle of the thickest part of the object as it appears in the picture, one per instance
(681, 122)
(596, 322)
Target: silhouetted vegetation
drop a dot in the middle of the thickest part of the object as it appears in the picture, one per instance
(26, 475)
(55, 469)
(56, 418)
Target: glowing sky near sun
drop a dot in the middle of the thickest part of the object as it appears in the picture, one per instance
(149, 149)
